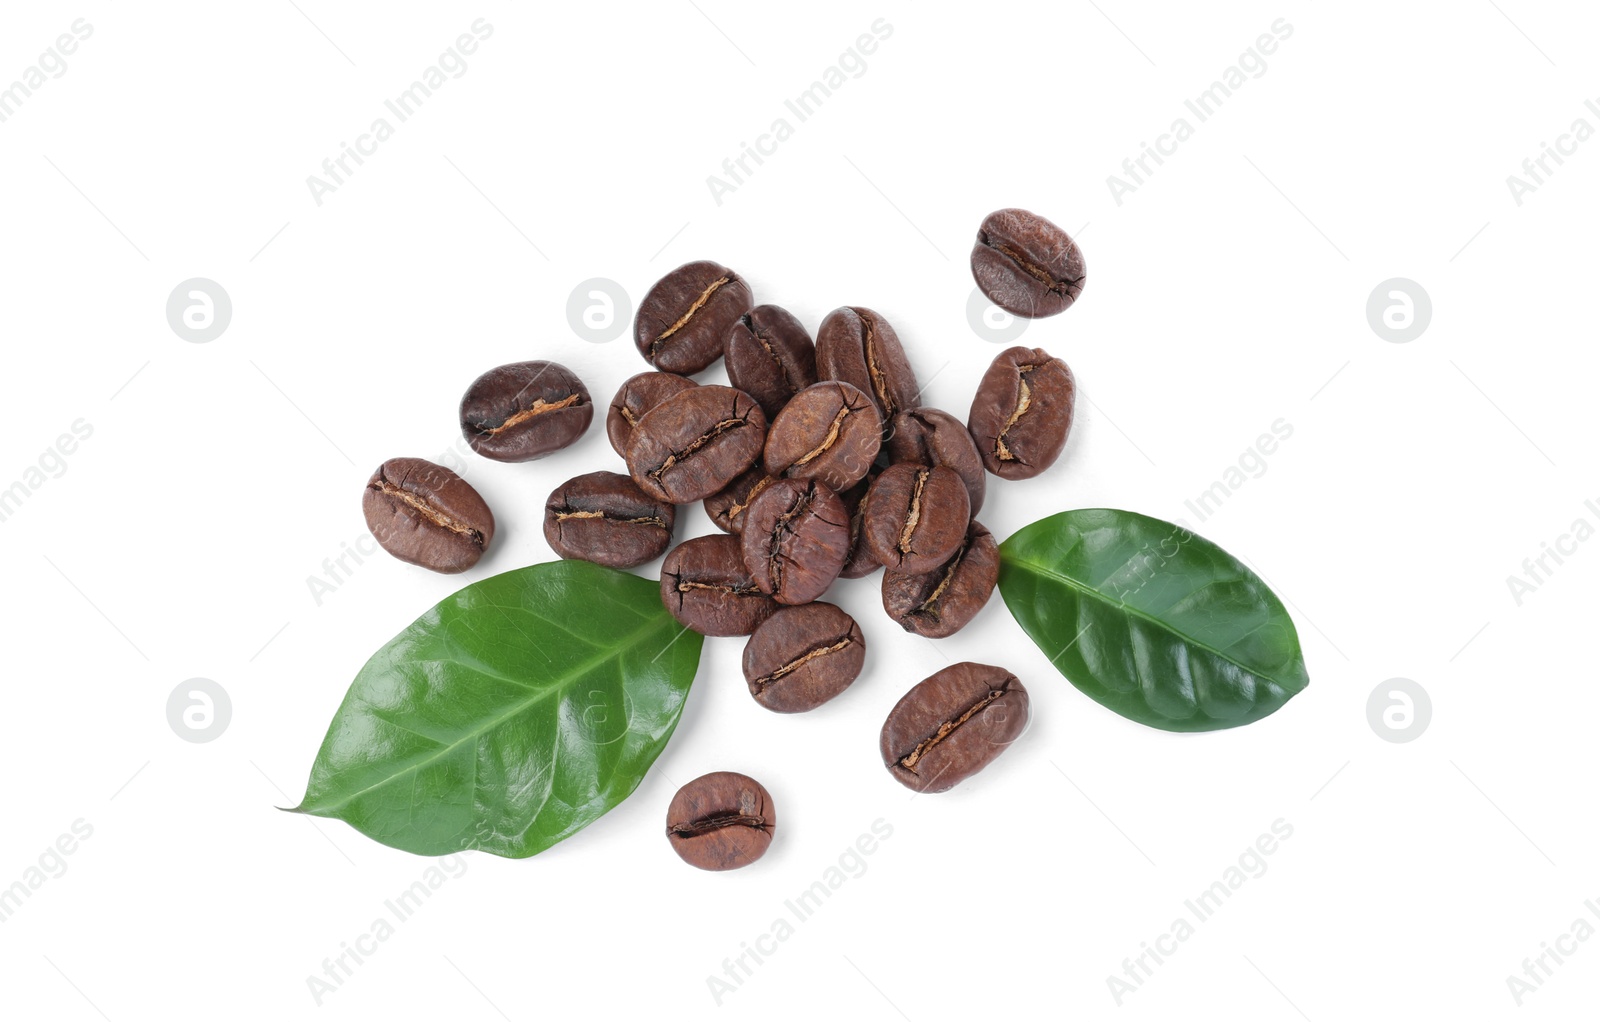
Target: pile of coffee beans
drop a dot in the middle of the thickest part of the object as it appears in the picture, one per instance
(818, 462)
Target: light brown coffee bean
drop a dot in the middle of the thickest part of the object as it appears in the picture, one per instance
(705, 586)
(525, 410)
(830, 432)
(770, 356)
(953, 724)
(1027, 265)
(721, 821)
(915, 517)
(682, 321)
(1022, 412)
(796, 538)
(604, 517)
(859, 346)
(929, 436)
(425, 514)
(941, 602)
(801, 657)
(636, 396)
(695, 443)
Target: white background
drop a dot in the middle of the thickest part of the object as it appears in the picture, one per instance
(1226, 292)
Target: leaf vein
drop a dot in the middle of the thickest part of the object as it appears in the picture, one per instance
(1132, 611)
(581, 670)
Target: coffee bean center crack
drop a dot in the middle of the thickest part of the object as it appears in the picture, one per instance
(880, 386)
(699, 303)
(429, 512)
(914, 515)
(736, 509)
(829, 440)
(539, 407)
(910, 760)
(772, 353)
(800, 661)
(1024, 401)
(781, 529)
(1033, 269)
(717, 821)
(735, 589)
(928, 606)
(562, 516)
(699, 442)
(855, 522)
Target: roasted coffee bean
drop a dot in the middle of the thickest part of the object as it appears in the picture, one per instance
(635, 397)
(801, 657)
(685, 317)
(952, 725)
(695, 443)
(1027, 265)
(721, 821)
(861, 562)
(929, 436)
(705, 586)
(604, 517)
(726, 508)
(915, 517)
(769, 356)
(830, 432)
(1022, 412)
(796, 539)
(859, 347)
(425, 514)
(941, 602)
(525, 410)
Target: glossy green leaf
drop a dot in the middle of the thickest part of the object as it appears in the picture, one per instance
(1152, 621)
(510, 716)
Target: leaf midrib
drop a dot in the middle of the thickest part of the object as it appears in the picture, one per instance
(1133, 611)
(582, 670)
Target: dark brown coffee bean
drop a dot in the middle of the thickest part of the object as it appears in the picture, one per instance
(769, 356)
(801, 657)
(859, 347)
(1027, 265)
(1022, 412)
(796, 538)
(861, 562)
(695, 443)
(686, 315)
(426, 515)
(705, 586)
(721, 821)
(915, 517)
(929, 436)
(604, 517)
(525, 410)
(941, 602)
(726, 508)
(635, 397)
(830, 432)
(952, 725)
